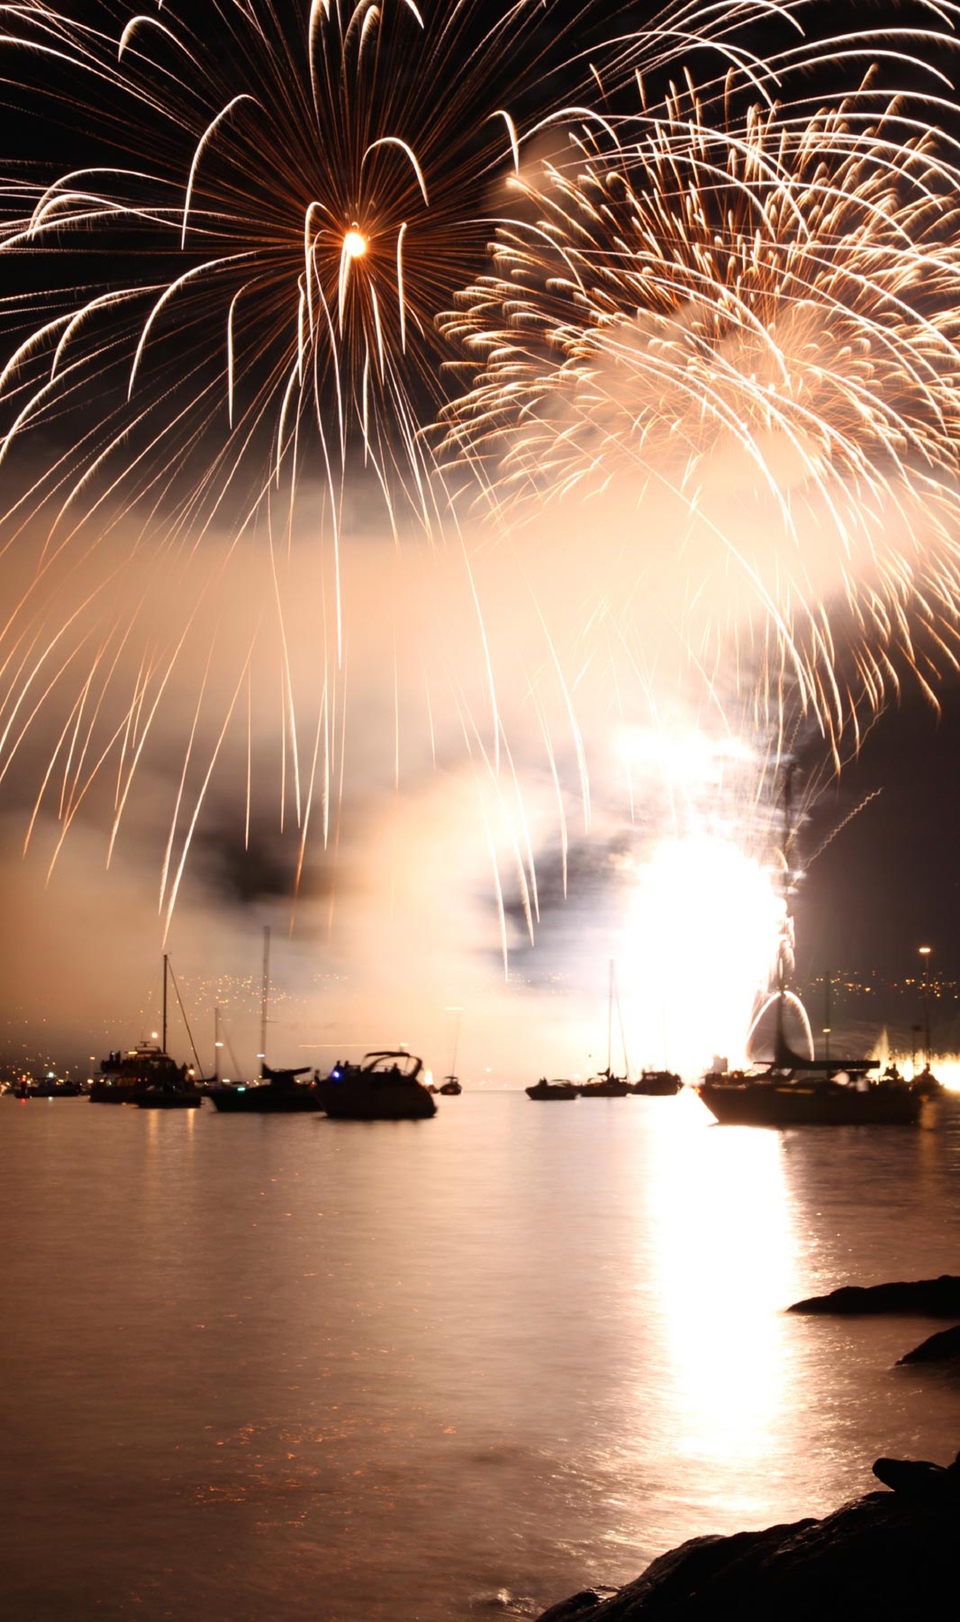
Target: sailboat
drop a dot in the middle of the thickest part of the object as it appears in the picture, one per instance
(451, 1087)
(145, 1074)
(789, 1090)
(606, 1084)
(170, 1091)
(279, 1092)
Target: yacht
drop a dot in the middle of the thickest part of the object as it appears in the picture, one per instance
(384, 1086)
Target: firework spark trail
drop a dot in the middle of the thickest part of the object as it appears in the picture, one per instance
(284, 197)
(759, 325)
(291, 195)
(319, 179)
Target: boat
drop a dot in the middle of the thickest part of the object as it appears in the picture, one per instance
(384, 1086)
(789, 1090)
(803, 1092)
(927, 1085)
(48, 1086)
(278, 1091)
(159, 1096)
(605, 1085)
(207, 1085)
(657, 1084)
(126, 1076)
(451, 1087)
(146, 1074)
(552, 1089)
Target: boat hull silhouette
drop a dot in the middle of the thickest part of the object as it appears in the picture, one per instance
(383, 1087)
(278, 1093)
(605, 1087)
(157, 1098)
(780, 1102)
(555, 1090)
(657, 1084)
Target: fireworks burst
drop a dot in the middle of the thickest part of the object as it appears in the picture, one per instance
(253, 277)
(738, 348)
(233, 279)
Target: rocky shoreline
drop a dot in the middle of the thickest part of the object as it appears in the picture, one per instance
(922, 1298)
(887, 1557)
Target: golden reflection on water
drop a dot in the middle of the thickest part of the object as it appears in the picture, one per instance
(722, 1249)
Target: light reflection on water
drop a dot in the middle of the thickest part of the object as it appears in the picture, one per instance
(295, 1368)
(723, 1256)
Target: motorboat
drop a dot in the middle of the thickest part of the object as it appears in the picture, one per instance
(552, 1089)
(384, 1086)
(48, 1086)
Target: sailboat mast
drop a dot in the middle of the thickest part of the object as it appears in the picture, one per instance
(787, 837)
(610, 1022)
(264, 993)
(456, 1043)
(216, 1042)
(164, 1026)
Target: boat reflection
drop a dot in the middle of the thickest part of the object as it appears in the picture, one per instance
(723, 1257)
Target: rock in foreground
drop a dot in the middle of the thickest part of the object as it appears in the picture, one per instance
(887, 1557)
(941, 1348)
(925, 1297)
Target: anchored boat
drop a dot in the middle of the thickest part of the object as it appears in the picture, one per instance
(790, 1090)
(382, 1087)
(278, 1092)
(552, 1089)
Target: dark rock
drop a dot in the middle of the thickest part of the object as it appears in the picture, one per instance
(941, 1348)
(919, 1479)
(576, 1607)
(887, 1556)
(926, 1297)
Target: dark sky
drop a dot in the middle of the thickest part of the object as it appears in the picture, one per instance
(890, 881)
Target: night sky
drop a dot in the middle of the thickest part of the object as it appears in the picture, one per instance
(888, 882)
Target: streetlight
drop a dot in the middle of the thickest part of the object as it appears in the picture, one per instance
(924, 952)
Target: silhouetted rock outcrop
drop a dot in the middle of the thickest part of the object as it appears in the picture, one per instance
(926, 1298)
(886, 1556)
(941, 1348)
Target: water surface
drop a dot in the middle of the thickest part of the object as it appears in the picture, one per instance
(419, 1372)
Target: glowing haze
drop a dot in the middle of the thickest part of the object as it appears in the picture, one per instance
(508, 689)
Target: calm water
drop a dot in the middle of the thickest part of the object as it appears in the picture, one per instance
(289, 1369)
